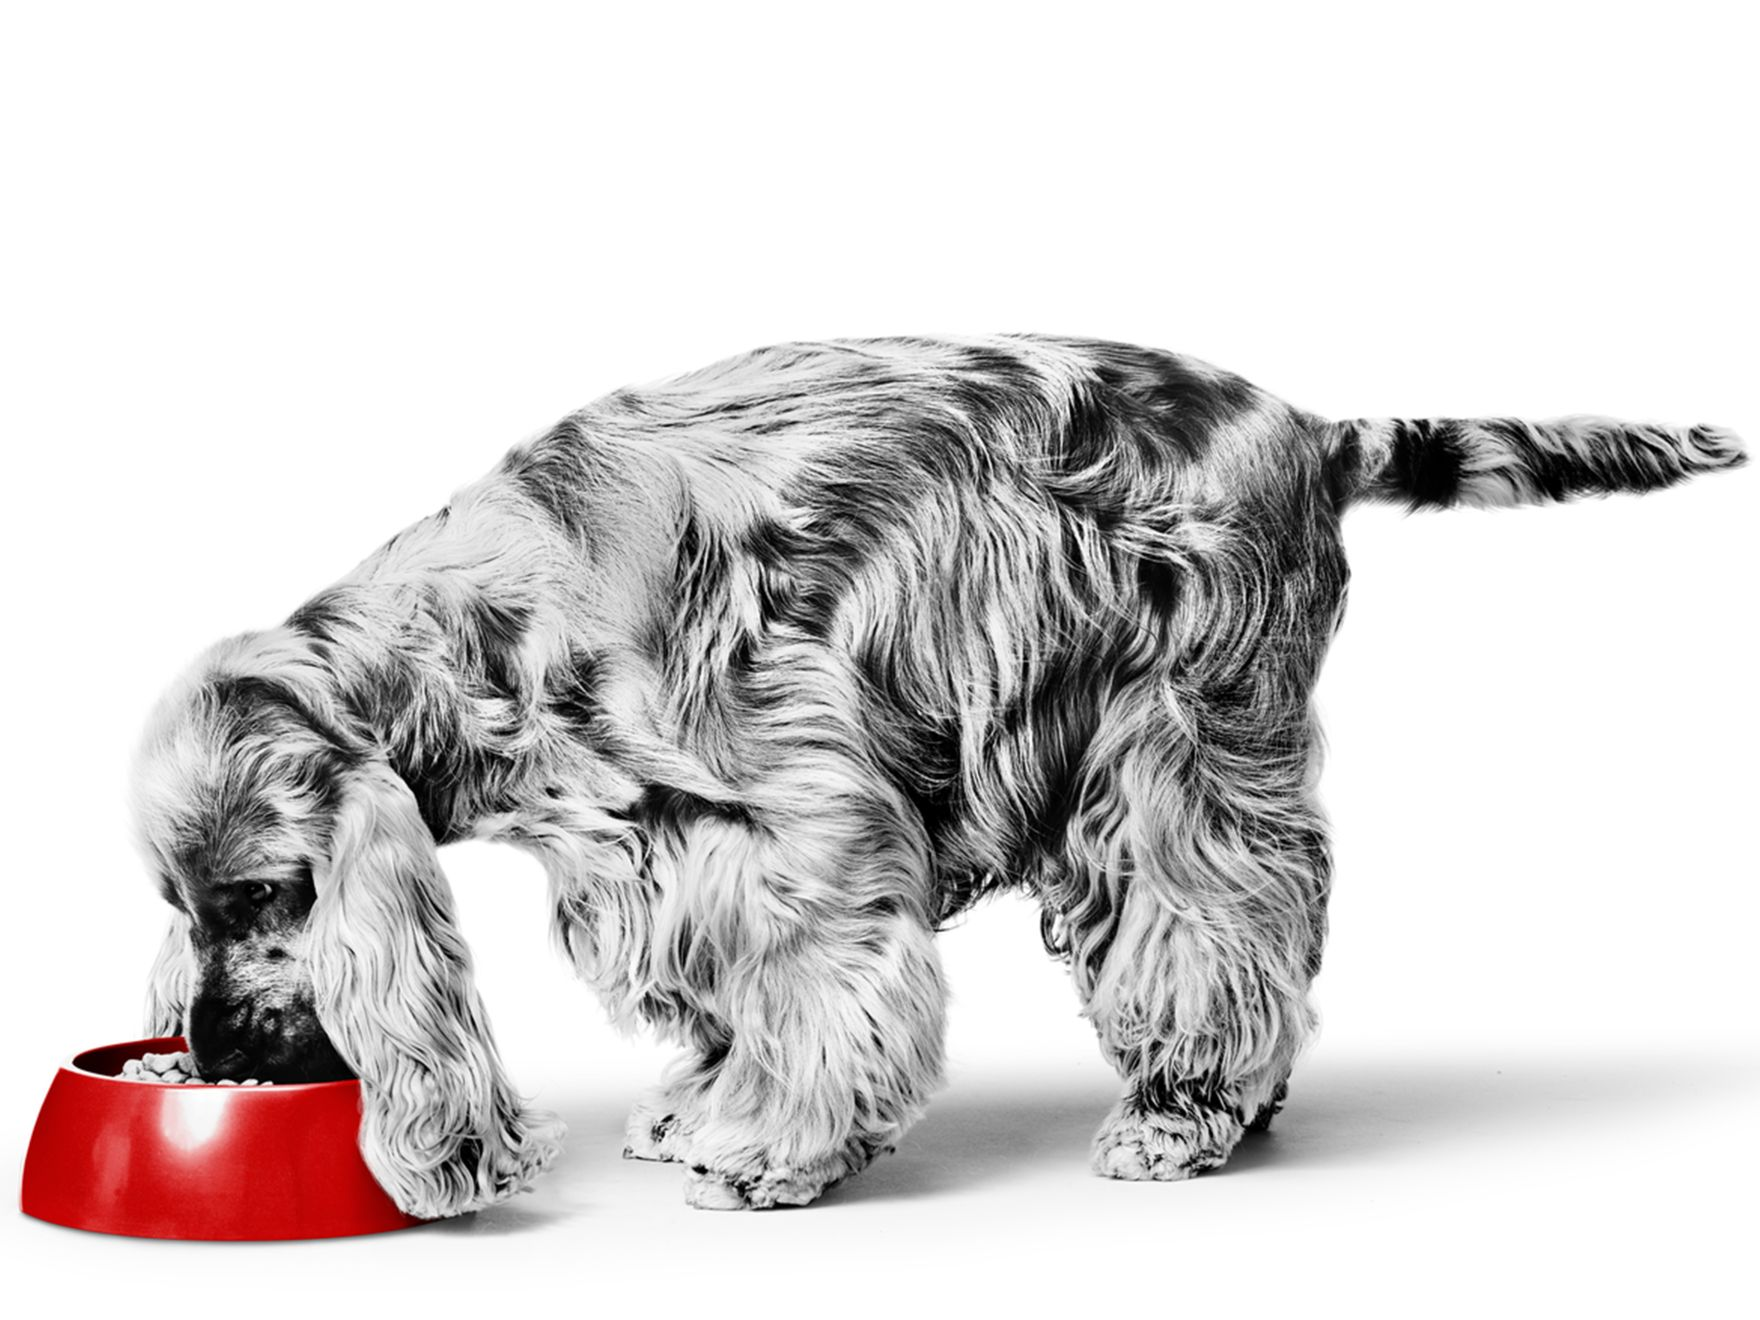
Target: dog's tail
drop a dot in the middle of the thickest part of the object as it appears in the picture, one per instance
(1441, 463)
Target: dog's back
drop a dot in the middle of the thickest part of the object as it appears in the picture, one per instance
(1001, 535)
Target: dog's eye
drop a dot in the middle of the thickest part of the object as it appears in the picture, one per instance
(259, 892)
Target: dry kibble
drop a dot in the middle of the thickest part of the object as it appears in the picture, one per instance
(174, 1070)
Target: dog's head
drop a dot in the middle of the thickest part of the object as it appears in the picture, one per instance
(312, 933)
(239, 797)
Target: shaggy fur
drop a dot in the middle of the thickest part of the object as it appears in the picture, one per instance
(777, 667)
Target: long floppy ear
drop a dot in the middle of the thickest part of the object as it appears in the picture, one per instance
(441, 1127)
(172, 981)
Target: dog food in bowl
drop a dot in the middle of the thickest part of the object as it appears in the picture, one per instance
(175, 1069)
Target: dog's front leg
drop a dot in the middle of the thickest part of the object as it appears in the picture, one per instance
(834, 1044)
(789, 952)
(774, 919)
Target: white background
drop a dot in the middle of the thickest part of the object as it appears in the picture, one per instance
(275, 284)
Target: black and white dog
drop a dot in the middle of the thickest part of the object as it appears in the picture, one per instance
(778, 666)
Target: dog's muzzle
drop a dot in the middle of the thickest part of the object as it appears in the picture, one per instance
(234, 1041)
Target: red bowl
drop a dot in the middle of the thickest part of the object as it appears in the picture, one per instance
(150, 1159)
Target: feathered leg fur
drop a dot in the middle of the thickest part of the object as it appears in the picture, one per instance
(834, 1044)
(1195, 972)
(783, 938)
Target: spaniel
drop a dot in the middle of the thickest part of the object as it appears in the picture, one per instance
(777, 667)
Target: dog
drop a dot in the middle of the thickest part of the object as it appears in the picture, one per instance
(777, 667)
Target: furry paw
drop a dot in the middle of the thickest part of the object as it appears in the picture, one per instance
(752, 1183)
(470, 1174)
(653, 1131)
(1162, 1147)
(706, 1189)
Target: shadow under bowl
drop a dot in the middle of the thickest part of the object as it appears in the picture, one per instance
(236, 1163)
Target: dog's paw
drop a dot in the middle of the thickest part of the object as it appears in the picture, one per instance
(653, 1131)
(1139, 1147)
(706, 1189)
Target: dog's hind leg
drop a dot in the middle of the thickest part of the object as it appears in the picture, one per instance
(1193, 914)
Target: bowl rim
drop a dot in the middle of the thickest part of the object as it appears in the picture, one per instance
(72, 1064)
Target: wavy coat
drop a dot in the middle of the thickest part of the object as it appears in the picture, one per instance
(777, 667)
